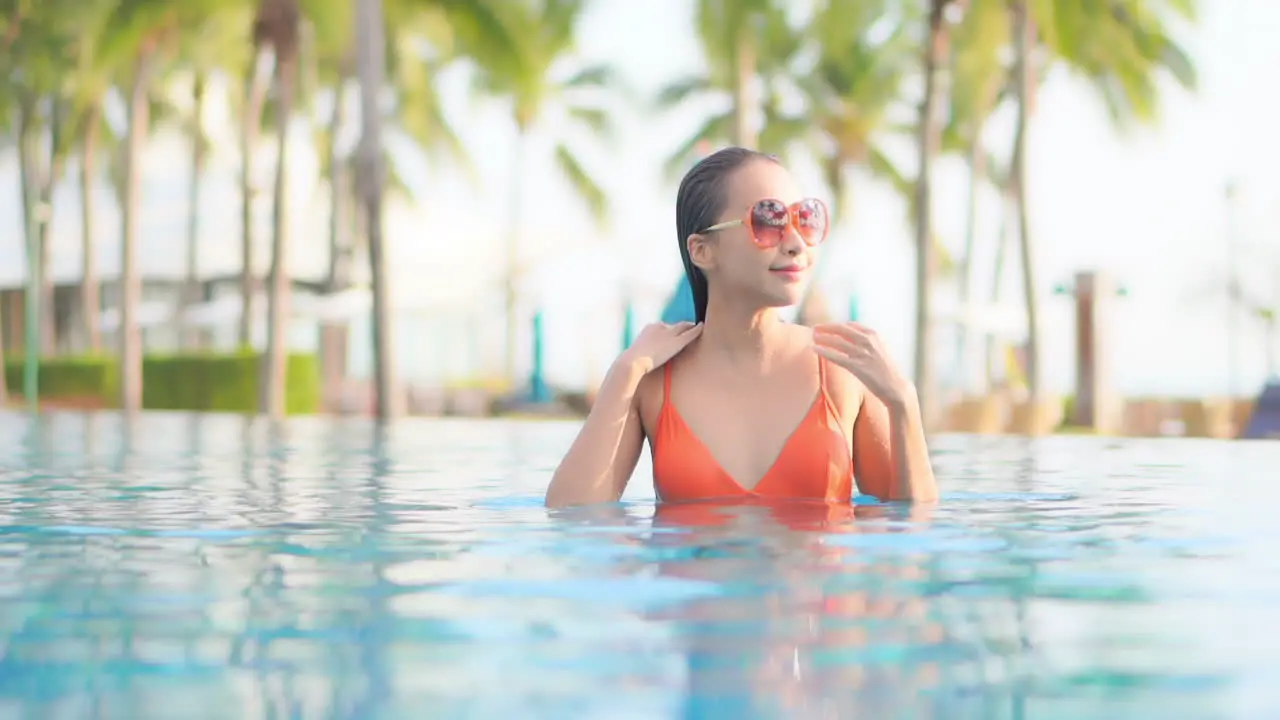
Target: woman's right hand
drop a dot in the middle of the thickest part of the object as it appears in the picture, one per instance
(658, 342)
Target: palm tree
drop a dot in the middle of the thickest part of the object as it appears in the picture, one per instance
(143, 23)
(199, 151)
(977, 77)
(851, 93)
(51, 162)
(90, 83)
(277, 27)
(130, 283)
(1023, 88)
(256, 82)
(11, 20)
(1122, 49)
(734, 29)
(370, 68)
(421, 38)
(40, 62)
(4, 382)
(1002, 178)
(214, 46)
(90, 294)
(22, 132)
(930, 130)
(425, 38)
(34, 62)
(323, 18)
(335, 68)
(742, 42)
(543, 37)
(137, 35)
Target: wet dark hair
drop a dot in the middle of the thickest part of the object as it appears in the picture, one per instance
(699, 202)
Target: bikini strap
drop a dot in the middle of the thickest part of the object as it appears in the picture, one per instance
(665, 408)
(822, 387)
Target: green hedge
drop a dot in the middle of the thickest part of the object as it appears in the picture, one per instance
(203, 382)
(1069, 411)
(66, 377)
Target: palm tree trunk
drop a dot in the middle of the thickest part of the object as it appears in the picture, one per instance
(4, 383)
(929, 140)
(1023, 33)
(977, 174)
(339, 196)
(250, 125)
(30, 233)
(130, 284)
(997, 276)
(22, 174)
(90, 295)
(334, 335)
(53, 169)
(511, 299)
(370, 54)
(276, 357)
(191, 293)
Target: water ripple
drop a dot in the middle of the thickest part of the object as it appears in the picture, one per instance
(328, 568)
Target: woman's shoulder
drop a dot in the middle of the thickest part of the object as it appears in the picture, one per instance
(844, 390)
(650, 395)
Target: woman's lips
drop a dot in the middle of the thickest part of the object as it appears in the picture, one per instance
(792, 273)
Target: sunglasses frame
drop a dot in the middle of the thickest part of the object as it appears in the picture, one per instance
(793, 221)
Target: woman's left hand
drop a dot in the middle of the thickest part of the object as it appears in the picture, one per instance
(858, 349)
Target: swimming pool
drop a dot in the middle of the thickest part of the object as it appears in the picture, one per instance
(186, 566)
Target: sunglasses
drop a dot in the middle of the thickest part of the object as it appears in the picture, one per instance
(767, 222)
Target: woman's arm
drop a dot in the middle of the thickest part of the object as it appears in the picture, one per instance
(891, 457)
(890, 454)
(603, 456)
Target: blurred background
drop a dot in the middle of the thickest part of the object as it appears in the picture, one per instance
(514, 164)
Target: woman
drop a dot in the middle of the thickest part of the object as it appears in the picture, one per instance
(739, 404)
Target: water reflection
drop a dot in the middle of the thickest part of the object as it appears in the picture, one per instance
(805, 621)
(329, 568)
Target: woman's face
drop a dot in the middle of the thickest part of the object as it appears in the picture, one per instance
(773, 276)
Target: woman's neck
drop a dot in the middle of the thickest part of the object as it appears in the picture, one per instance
(741, 336)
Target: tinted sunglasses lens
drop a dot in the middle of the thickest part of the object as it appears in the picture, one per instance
(769, 221)
(811, 221)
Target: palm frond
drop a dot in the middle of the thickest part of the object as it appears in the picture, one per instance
(584, 186)
(678, 91)
(397, 184)
(593, 76)
(596, 120)
(714, 130)
(883, 168)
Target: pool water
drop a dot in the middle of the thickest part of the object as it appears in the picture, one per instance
(216, 567)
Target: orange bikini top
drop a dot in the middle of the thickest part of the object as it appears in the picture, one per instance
(814, 464)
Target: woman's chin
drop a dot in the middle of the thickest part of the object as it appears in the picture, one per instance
(785, 299)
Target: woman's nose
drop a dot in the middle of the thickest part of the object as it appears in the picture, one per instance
(792, 243)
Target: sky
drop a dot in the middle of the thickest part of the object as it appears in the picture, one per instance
(1146, 205)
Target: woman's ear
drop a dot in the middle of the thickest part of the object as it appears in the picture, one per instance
(701, 251)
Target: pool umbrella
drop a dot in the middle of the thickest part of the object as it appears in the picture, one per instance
(628, 325)
(537, 383)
